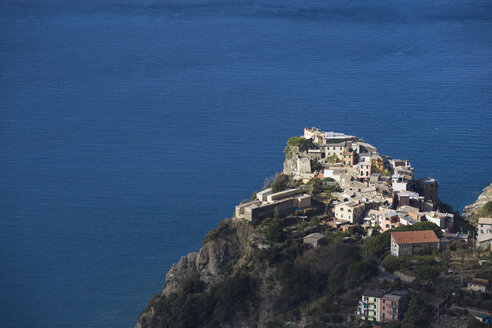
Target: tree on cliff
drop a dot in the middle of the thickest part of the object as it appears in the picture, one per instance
(280, 183)
(302, 143)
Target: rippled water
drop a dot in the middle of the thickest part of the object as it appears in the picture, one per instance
(129, 129)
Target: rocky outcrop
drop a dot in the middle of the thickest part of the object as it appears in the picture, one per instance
(290, 163)
(228, 246)
(484, 198)
(211, 258)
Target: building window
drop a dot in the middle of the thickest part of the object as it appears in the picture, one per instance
(383, 315)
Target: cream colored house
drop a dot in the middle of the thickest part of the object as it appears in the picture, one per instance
(349, 211)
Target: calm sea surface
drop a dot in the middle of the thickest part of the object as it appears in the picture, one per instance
(128, 129)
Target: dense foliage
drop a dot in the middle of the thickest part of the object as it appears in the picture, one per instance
(281, 182)
(330, 270)
(316, 165)
(302, 143)
(418, 313)
(194, 307)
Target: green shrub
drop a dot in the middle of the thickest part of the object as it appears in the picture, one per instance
(391, 263)
(281, 182)
(194, 308)
(223, 229)
(316, 165)
(418, 313)
(302, 143)
(275, 233)
(428, 272)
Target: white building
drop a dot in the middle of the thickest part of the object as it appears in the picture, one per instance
(262, 195)
(484, 233)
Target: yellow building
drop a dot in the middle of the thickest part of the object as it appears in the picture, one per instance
(377, 164)
(348, 158)
(370, 305)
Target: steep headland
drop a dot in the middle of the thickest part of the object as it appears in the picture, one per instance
(305, 249)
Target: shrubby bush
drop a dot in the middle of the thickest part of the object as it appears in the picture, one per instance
(417, 314)
(195, 308)
(223, 229)
(391, 263)
(281, 182)
(302, 143)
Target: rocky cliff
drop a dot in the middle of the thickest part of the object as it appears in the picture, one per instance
(290, 163)
(225, 249)
(472, 210)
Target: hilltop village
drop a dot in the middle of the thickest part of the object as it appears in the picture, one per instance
(343, 237)
(373, 190)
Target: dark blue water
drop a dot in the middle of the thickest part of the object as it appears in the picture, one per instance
(129, 129)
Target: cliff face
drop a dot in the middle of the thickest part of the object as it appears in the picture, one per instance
(483, 199)
(290, 163)
(226, 249)
(211, 258)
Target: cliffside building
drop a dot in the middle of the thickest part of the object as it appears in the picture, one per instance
(286, 201)
(484, 233)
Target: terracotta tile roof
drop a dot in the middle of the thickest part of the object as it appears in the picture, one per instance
(481, 282)
(414, 237)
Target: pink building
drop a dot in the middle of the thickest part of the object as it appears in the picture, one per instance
(393, 305)
(389, 221)
(364, 170)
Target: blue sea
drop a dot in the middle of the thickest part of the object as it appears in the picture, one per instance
(128, 129)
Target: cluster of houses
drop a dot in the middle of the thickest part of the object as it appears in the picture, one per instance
(378, 191)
